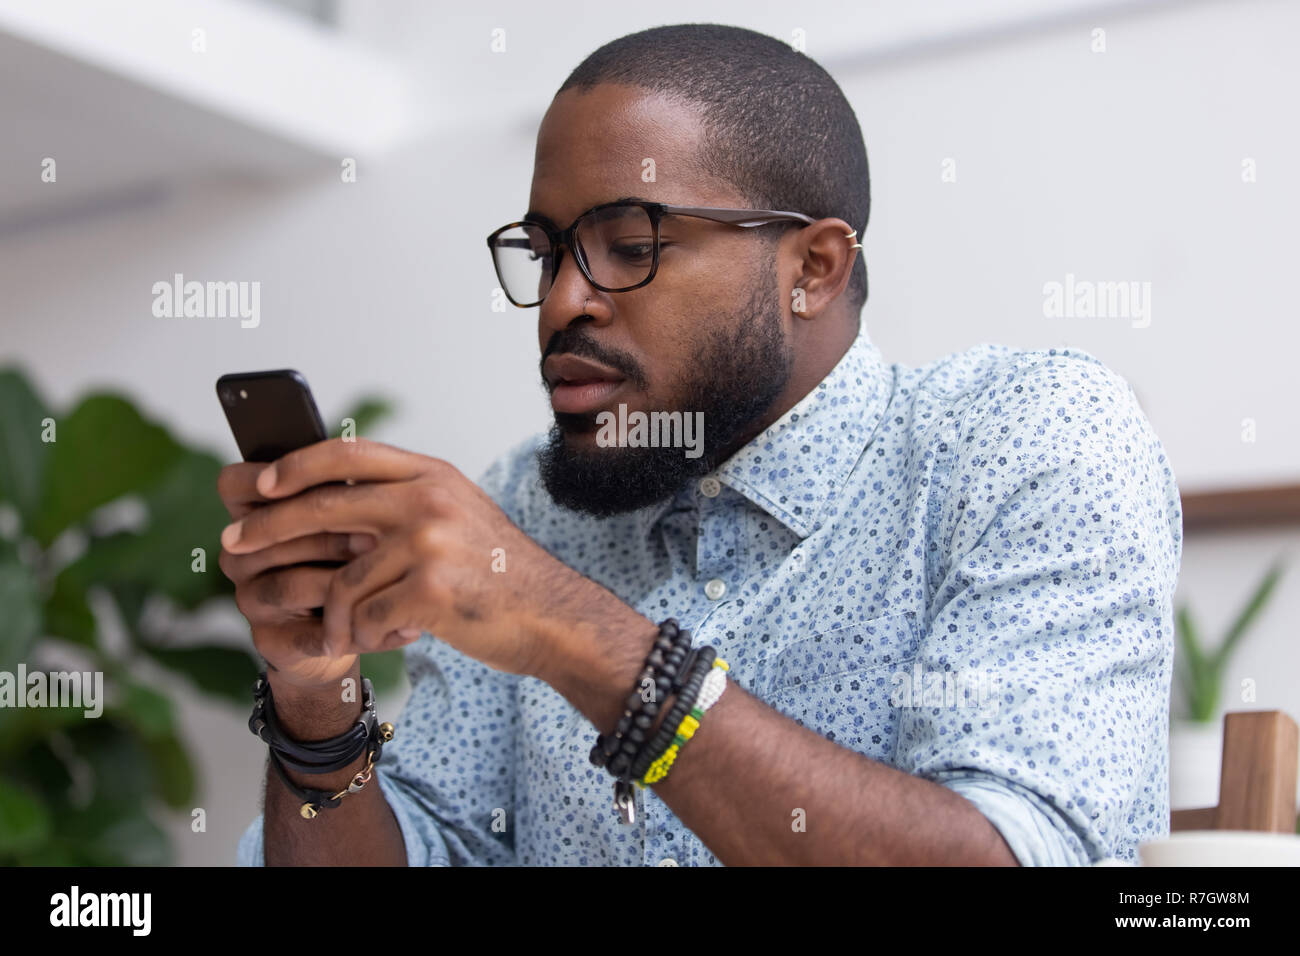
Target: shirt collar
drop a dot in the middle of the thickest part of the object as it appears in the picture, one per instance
(794, 468)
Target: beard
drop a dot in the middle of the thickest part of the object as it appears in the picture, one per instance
(736, 375)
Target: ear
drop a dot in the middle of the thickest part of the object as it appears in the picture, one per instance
(822, 254)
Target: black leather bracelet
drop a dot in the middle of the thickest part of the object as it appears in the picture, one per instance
(320, 756)
(313, 801)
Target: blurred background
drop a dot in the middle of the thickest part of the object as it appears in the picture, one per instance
(350, 157)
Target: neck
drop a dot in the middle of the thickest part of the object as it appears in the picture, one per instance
(815, 356)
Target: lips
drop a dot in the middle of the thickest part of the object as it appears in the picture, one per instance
(579, 385)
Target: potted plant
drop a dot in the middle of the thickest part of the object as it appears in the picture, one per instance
(1196, 741)
(106, 519)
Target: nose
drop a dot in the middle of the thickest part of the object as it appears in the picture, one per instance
(571, 298)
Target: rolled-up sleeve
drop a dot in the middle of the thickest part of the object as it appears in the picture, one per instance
(1028, 824)
(1064, 536)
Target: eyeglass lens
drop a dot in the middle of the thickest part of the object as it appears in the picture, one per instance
(617, 245)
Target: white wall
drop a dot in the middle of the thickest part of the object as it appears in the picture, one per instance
(1117, 166)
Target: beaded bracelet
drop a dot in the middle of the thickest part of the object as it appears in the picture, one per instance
(624, 799)
(701, 665)
(715, 682)
(663, 667)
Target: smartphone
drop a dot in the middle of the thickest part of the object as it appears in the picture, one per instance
(270, 413)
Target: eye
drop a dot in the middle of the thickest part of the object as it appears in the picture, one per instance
(633, 250)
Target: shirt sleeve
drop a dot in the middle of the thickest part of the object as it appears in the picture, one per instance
(421, 836)
(1054, 601)
(448, 774)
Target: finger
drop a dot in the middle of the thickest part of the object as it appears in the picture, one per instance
(269, 597)
(300, 637)
(237, 487)
(322, 546)
(357, 580)
(361, 509)
(338, 460)
(387, 619)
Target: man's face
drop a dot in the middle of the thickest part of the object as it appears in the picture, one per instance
(706, 336)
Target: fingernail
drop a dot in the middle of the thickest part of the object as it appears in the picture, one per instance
(360, 543)
(266, 480)
(409, 633)
(230, 535)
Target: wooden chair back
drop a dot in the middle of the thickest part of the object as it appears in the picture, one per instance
(1257, 779)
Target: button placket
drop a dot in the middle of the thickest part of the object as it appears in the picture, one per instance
(715, 532)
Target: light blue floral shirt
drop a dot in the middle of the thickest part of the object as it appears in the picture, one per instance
(963, 570)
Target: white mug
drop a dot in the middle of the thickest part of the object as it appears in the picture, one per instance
(1222, 848)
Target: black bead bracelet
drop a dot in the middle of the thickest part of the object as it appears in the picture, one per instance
(701, 664)
(664, 668)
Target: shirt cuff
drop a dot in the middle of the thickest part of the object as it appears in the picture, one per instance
(1028, 824)
(424, 844)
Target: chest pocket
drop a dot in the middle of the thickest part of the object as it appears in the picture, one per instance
(841, 683)
(883, 642)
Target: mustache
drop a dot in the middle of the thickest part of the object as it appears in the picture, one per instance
(578, 342)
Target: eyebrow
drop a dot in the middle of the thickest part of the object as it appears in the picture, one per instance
(534, 216)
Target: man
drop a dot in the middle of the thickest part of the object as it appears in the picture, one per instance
(943, 593)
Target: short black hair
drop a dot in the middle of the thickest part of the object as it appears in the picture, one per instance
(779, 129)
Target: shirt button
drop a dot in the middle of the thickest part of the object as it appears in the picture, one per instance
(668, 861)
(715, 589)
(709, 487)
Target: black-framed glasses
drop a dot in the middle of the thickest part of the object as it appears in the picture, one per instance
(616, 245)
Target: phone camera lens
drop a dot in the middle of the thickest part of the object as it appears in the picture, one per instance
(228, 396)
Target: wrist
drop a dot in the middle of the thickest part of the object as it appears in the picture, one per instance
(319, 712)
(594, 664)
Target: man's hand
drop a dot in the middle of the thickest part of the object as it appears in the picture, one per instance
(431, 567)
(276, 588)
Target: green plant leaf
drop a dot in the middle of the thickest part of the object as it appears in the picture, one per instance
(23, 456)
(104, 450)
(384, 668)
(114, 833)
(1189, 637)
(24, 822)
(173, 772)
(21, 726)
(185, 513)
(1196, 671)
(67, 613)
(149, 711)
(1206, 701)
(367, 413)
(1254, 605)
(20, 613)
(224, 671)
(50, 853)
(116, 755)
